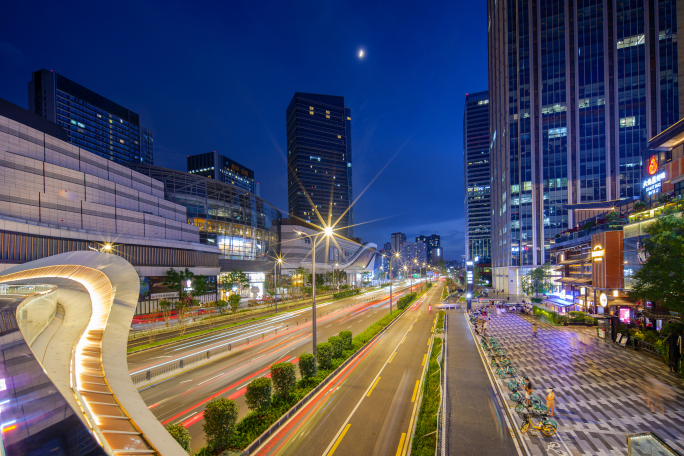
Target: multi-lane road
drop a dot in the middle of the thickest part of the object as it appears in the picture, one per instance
(367, 408)
(182, 398)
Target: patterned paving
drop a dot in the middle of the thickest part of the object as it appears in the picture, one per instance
(600, 388)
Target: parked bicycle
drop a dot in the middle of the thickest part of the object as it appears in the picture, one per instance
(502, 371)
(546, 426)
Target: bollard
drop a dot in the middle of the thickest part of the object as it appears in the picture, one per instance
(181, 364)
(248, 340)
(230, 347)
(207, 354)
(262, 335)
(149, 375)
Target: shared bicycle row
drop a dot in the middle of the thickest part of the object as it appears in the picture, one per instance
(529, 407)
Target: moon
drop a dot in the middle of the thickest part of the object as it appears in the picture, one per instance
(361, 54)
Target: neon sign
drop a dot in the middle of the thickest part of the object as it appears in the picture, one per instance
(597, 253)
(653, 166)
(654, 184)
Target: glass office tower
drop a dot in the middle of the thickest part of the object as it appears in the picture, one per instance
(92, 122)
(477, 177)
(215, 166)
(575, 89)
(319, 160)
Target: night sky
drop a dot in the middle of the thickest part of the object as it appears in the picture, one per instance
(219, 76)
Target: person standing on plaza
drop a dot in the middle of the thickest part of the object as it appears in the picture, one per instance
(534, 329)
(550, 401)
(528, 392)
(484, 327)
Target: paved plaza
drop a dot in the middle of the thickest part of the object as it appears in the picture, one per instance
(599, 388)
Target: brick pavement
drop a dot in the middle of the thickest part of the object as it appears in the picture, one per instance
(599, 388)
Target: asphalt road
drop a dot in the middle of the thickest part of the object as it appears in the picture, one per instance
(183, 397)
(368, 407)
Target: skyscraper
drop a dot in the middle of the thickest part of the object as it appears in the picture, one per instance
(430, 242)
(575, 90)
(92, 122)
(398, 241)
(216, 166)
(319, 160)
(477, 177)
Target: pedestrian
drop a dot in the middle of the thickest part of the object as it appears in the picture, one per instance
(484, 328)
(528, 393)
(534, 329)
(550, 401)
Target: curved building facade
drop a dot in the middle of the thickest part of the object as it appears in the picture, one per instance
(245, 227)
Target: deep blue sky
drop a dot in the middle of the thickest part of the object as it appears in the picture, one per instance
(219, 76)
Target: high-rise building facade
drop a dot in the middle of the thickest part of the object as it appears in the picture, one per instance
(416, 251)
(319, 160)
(477, 177)
(398, 240)
(92, 122)
(215, 166)
(576, 90)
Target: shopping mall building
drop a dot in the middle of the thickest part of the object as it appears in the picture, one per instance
(594, 263)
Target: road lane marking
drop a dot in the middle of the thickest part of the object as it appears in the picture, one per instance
(411, 328)
(208, 380)
(402, 340)
(424, 358)
(373, 387)
(415, 391)
(346, 428)
(401, 443)
(428, 342)
(392, 357)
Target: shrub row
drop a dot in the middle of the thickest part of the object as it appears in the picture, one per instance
(558, 319)
(406, 300)
(425, 438)
(346, 293)
(269, 399)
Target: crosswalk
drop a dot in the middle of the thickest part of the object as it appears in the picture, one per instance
(600, 388)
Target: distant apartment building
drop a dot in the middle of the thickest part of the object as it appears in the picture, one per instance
(398, 241)
(216, 166)
(319, 160)
(416, 251)
(91, 121)
(477, 177)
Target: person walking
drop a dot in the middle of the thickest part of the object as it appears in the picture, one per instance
(550, 401)
(484, 327)
(534, 329)
(528, 392)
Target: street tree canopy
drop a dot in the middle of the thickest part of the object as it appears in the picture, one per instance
(537, 281)
(661, 279)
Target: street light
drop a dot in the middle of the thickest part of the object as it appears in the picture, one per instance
(279, 262)
(327, 232)
(391, 257)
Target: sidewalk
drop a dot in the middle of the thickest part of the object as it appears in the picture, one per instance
(599, 387)
(475, 424)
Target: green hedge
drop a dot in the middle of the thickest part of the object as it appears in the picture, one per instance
(406, 300)
(346, 293)
(425, 437)
(552, 316)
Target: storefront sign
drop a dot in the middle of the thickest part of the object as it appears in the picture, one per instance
(603, 299)
(625, 315)
(653, 184)
(597, 253)
(163, 295)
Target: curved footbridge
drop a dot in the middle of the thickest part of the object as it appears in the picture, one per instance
(74, 311)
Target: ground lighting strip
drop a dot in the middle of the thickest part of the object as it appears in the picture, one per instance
(86, 358)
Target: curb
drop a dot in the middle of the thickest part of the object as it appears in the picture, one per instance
(263, 438)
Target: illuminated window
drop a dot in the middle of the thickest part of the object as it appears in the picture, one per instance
(631, 41)
(327, 117)
(310, 108)
(627, 122)
(348, 118)
(339, 137)
(311, 112)
(327, 112)
(481, 102)
(558, 132)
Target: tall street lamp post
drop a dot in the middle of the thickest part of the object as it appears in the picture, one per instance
(327, 232)
(391, 257)
(279, 262)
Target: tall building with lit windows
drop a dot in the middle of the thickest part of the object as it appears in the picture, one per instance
(215, 166)
(91, 121)
(576, 89)
(319, 160)
(477, 177)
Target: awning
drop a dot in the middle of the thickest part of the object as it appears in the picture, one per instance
(574, 281)
(558, 302)
(661, 313)
(576, 261)
(622, 301)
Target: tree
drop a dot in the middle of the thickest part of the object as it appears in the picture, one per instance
(220, 417)
(324, 353)
(336, 345)
(234, 301)
(346, 337)
(180, 435)
(221, 304)
(307, 365)
(639, 206)
(381, 275)
(166, 307)
(258, 394)
(661, 277)
(199, 286)
(178, 280)
(537, 281)
(284, 378)
(304, 276)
